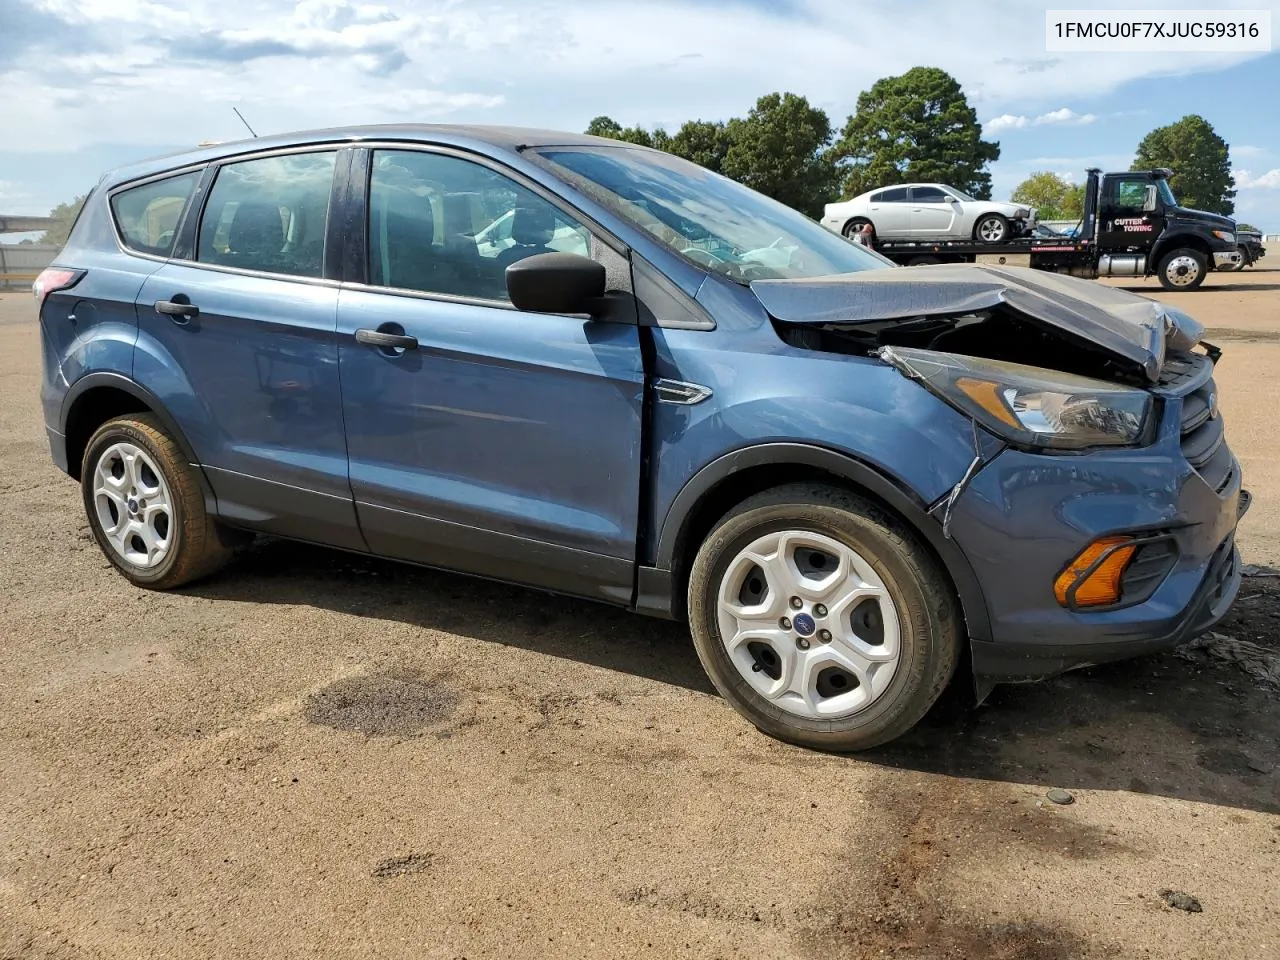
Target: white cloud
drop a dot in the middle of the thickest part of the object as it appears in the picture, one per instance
(1006, 121)
(164, 73)
(1270, 180)
(1065, 115)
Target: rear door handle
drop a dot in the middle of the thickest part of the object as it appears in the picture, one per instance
(392, 341)
(172, 308)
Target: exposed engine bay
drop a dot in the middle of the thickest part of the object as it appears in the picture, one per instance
(997, 334)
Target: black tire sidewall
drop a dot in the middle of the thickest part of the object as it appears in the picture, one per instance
(910, 686)
(122, 431)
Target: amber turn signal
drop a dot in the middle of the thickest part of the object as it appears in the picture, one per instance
(1101, 587)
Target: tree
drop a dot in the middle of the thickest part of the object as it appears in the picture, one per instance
(1073, 203)
(1199, 158)
(917, 126)
(608, 127)
(65, 214)
(702, 142)
(1247, 226)
(779, 149)
(1045, 191)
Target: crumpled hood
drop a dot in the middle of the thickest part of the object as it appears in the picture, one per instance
(1124, 325)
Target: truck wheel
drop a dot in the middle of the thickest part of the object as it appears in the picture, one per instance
(145, 505)
(992, 228)
(1182, 269)
(821, 619)
(854, 226)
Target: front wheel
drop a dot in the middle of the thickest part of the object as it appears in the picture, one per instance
(822, 619)
(992, 228)
(1182, 269)
(145, 505)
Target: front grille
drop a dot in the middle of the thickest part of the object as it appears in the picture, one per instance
(1203, 437)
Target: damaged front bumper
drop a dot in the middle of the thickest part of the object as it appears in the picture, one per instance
(1024, 517)
(1226, 259)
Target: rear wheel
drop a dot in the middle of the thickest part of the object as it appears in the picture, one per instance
(1182, 269)
(146, 507)
(821, 619)
(991, 228)
(854, 227)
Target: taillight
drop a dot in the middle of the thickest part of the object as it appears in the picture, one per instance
(53, 279)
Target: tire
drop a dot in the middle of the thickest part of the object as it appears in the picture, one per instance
(1182, 269)
(166, 542)
(852, 228)
(991, 228)
(910, 588)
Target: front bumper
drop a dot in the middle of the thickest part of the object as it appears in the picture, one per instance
(1021, 662)
(1225, 258)
(1025, 516)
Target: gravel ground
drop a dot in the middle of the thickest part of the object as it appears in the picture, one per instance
(316, 754)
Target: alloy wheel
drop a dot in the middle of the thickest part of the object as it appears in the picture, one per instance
(809, 624)
(133, 505)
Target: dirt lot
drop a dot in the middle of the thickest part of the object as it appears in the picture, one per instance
(317, 755)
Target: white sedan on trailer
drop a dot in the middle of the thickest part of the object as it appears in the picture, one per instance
(929, 211)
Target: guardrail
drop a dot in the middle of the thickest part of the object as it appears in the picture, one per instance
(21, 263)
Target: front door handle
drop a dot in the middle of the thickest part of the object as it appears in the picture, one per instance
(173, 308)
(387, 341)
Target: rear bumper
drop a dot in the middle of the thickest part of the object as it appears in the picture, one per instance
(58, 449)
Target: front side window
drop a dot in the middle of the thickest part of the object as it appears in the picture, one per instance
(441, 224)
(148, 215)
(1130, 194)
(712, 220)
(269, 215)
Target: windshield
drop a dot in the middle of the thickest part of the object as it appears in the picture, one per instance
(1166, 192)
(715, 222)
(962, 195)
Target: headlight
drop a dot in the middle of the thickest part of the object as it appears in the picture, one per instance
(1027, 405)
(1224, 235)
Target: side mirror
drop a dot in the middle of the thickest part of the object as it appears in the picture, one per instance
(556, 283)
(1149, 198)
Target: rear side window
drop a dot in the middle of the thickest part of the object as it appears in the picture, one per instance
(148, 215)
(896, 195)
(269, 215)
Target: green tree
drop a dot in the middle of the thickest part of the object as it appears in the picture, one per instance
(608, 127)
(779, 149)
(1073, 203)
(702, 142)
(917, 126)
(1045, 191)
(65, 214)
(1247, 226)
(1199, 159)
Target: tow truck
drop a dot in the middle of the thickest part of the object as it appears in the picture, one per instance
(1132, 226)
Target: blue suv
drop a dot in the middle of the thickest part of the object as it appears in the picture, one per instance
(600, 370)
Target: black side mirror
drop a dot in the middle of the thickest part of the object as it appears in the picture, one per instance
(556, 283)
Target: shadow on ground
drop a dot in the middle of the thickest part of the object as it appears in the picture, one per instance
(1180, 725)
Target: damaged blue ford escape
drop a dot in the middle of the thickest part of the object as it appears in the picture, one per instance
(597, 369)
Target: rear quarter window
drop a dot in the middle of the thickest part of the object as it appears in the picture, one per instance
(147, 215)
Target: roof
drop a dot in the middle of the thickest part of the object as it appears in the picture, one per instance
(486, 139)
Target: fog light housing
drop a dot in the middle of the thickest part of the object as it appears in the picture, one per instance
(1094, 577)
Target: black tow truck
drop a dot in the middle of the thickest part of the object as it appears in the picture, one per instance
(1132, 227)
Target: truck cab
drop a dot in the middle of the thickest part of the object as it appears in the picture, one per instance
(1141, 229)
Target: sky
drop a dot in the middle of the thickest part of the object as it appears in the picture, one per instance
(86, 85)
